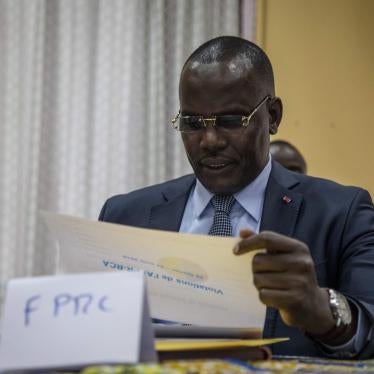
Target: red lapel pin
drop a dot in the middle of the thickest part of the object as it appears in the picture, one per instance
(286, 199)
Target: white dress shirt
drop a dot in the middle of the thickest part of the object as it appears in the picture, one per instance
(246, 211)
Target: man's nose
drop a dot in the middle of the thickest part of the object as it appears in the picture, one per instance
(212, 138)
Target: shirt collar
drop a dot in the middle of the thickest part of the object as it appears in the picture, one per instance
(250, 198)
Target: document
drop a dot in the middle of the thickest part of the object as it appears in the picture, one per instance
(210, 349)
(191, 279)
(190, 344)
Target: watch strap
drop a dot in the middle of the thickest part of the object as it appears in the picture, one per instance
(341, 331)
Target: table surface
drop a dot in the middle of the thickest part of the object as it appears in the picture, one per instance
(276, 365)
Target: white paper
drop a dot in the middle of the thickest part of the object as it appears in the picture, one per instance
(193, 279)
(76, 320)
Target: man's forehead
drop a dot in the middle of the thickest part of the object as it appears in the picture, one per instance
(233, 68)
(230, 77)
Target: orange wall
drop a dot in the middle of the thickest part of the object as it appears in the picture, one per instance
(323, 57)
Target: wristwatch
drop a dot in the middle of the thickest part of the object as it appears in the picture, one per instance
(340, 308)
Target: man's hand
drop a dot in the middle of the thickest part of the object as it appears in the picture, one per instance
(285, 278)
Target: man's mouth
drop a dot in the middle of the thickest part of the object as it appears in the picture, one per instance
(215, 164)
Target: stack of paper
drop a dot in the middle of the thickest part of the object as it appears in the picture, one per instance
(181, 342)
(191, 279)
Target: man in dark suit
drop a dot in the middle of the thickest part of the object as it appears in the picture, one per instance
(316, 273)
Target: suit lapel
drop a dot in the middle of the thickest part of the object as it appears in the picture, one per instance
(280, 212)
(281, 204)
(168, 215)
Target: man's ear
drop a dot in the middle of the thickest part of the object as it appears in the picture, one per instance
(276, 112)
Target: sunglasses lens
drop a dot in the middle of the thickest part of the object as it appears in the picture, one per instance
(190, 123)
(229, 122)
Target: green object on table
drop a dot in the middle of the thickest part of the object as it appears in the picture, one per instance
(131, 369)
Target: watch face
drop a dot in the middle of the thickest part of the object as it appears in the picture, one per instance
(340, 308)
(344, 309)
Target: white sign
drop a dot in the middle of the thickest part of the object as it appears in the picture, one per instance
(193, 279)
(76, 320)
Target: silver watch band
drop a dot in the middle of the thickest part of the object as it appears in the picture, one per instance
(340, 308)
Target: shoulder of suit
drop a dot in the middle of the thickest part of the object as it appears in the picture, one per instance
(309, 185)
(154, 192)
(328, 185)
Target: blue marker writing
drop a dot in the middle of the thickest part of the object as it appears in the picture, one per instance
(101, 304)
(59, 301)
(28, 308)
(77, 301)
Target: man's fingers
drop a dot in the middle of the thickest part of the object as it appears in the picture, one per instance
(245, 233)
(271, 241)
(265, 262)
(279, 299)
(271, 281)
(280, 281)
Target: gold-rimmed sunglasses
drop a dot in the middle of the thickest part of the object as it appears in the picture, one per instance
(226, 122)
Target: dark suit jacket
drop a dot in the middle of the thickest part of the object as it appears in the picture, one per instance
(336, 222)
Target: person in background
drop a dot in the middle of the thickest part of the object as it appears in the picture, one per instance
(315, 272)
(288, 156)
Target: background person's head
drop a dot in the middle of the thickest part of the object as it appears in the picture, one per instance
(229, 75)
(288, 156)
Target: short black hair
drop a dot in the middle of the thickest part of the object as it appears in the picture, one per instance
(285, 144)
(224, 48)
(288, 156)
